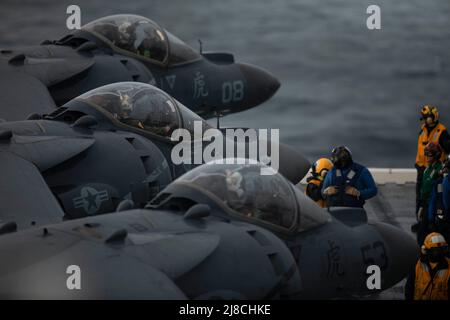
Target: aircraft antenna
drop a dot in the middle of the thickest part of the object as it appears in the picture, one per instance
(218, 115)
(201, 46)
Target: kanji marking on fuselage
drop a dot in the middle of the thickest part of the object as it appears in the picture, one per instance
(335, 267)
(200, 89)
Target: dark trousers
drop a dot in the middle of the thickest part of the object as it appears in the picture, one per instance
(424, 227)
(421, 227)
(419, 179)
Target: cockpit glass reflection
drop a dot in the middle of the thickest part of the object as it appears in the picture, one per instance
(133, 34)
(137, 105)
(244, 190)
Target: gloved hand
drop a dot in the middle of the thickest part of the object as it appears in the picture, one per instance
(439, 218)
(352, 191)
(331, 190)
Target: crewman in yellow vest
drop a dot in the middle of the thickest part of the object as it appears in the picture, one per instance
(319, 171)
(431, 131)
(430, 279)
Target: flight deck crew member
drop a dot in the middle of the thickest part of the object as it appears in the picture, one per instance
(431, 131)
(430, 279)
(319, 171)
(430, 175)
(439, 208)
(348, 184)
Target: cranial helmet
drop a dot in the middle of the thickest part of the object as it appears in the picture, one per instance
(434, 246)
(429, 114)
(322, 166)
(341, 157)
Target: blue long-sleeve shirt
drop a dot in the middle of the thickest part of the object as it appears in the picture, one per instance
(365, 183)
(432, 207)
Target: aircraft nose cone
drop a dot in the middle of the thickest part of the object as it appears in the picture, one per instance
(261, 85)
(293, 165)
(401, 254)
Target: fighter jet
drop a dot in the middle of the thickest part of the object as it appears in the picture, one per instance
(108, 147)
(221, 231)
(125, 47)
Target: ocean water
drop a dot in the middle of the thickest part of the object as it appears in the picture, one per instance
(341, 83)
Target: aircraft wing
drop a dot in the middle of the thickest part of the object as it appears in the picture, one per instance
(117, 256)
(24, 195)
(25, 77)
(25, 198)
(43, 272)
(22, 94)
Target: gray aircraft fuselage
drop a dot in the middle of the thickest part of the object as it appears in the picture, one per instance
(160, 254)
(88, 168)
(210, 84)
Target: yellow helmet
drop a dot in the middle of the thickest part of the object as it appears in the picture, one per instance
(322, 166)
(434, 247)
(429, 111)
(434, 240)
